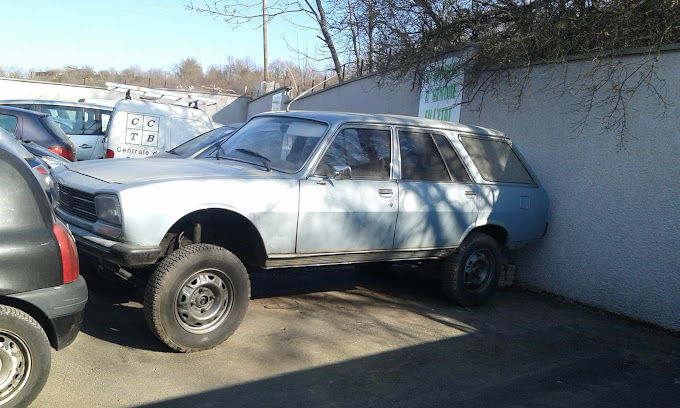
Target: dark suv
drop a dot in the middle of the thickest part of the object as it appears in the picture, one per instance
(39, 128)
(42, 295)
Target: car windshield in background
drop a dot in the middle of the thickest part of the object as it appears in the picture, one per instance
(201, 141)
(277, 143)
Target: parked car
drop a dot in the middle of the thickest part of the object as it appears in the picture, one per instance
(27, 125)
(84, 123)
(193, 147)
(39, 167)
(50, 158)
(302, 189)
(42, 296)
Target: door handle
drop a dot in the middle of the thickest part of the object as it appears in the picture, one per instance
(85, 146)
(470, 194)
(385, 192)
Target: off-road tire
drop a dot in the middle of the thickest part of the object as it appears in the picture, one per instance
(25, 358)
(470, 275)
(196, 297)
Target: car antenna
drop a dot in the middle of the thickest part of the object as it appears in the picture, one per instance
(36, 100)
(309, 90)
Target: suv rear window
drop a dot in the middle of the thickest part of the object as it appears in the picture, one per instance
(495, 160)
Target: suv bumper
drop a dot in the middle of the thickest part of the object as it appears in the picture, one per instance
(119, 253)
(63, 306)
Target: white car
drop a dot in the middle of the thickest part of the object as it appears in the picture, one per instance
(302, 189)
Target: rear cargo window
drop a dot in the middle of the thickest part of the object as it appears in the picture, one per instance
(495, 160)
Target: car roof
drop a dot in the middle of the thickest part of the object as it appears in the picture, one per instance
(21, 111)
(336, 118)
(57, 102)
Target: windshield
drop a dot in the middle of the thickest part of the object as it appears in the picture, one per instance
(201, 141)
(273, 142)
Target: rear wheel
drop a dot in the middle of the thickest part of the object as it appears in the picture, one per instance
(470, 275)
(25, 358)
(197, 297)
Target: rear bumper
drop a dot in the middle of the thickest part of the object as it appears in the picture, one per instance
(63, 306)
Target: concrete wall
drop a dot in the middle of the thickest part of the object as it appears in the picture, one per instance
(264, 102)
(613, 240)
(363, 95)
(229, 109)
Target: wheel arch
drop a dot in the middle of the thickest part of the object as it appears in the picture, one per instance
(35, 313)
(216, 227)
(497, 232)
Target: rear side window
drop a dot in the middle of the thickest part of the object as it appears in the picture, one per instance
(420, 158)
(495, 160)
(9, 123)
(456, 168)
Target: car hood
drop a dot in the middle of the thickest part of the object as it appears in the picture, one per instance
(127, 171)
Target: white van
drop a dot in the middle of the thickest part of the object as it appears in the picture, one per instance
(142, 128)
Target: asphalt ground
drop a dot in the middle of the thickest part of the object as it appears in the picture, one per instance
(338, 338)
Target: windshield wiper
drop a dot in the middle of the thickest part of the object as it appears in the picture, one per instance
(265, 161)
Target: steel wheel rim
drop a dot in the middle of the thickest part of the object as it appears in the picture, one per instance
(478, 271)
(204, 301)
(15, 365)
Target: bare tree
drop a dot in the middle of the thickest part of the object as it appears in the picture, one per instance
(500, 42)
(237, 12)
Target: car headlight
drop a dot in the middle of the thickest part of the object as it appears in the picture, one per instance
(108, 208)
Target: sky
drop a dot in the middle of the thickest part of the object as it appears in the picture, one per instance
(39, 34)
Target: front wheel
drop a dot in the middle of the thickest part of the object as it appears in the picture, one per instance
(196, 297)
(25, 358)
(470, 275)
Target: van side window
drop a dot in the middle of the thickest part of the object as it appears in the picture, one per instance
(420, 158)
(9, 123)
(456, 168)
(495, 160)
(365, 150)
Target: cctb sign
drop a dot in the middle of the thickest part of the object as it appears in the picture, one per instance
(441, 93)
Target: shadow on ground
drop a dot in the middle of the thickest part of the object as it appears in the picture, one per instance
(119, 317)
(547, 367)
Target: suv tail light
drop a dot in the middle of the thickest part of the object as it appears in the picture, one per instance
(69, 253)
(109, 154)
(62, 152)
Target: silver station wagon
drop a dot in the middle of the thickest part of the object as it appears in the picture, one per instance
(301, 189)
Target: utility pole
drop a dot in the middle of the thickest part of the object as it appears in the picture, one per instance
(264, 39)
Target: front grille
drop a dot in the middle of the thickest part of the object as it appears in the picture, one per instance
(77, 203)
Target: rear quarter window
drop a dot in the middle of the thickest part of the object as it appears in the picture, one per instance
(496, 160)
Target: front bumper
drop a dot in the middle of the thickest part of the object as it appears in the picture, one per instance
(119, 253)
(63, 306)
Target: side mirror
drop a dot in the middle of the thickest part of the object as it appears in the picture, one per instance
(342, 172)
